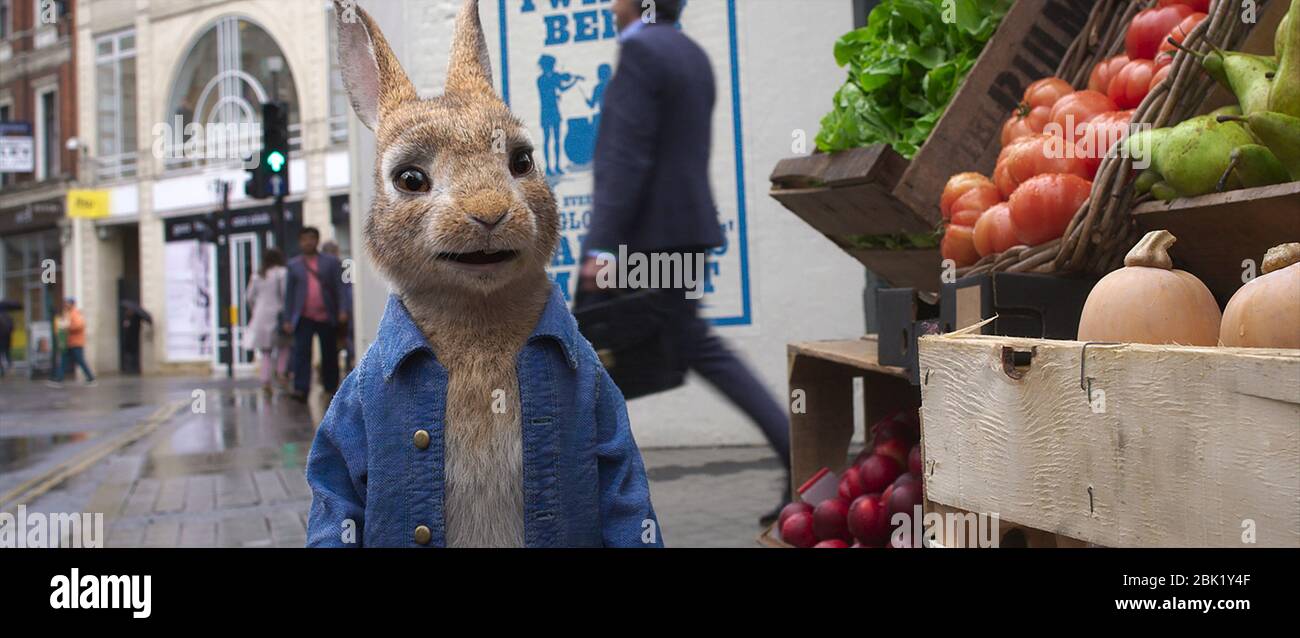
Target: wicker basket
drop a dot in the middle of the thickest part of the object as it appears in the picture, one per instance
(1102, 231)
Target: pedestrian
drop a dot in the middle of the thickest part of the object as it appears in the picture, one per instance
(331, 247)
(652, 194)
(265, 297)
(73, 323)
(134, 316)
(312, 293)
(6, 335)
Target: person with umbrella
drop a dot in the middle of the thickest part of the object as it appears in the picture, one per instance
(6, 334)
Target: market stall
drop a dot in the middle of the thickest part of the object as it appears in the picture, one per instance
(1093, 245)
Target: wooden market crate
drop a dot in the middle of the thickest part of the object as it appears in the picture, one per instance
(873, 190)
(823, 372)
(1217, 233)
(1120, 445)
(821, 431)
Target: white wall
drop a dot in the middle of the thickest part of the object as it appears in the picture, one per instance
(803, 287)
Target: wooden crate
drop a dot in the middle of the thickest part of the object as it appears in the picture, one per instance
(871, 191)
(1121, 445)
(1218, 232)
(820, 435)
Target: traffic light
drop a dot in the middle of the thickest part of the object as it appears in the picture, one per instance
(270, 178)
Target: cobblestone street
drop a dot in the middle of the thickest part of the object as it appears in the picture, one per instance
(231, 475)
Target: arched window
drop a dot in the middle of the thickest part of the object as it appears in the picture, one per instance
(220, 86)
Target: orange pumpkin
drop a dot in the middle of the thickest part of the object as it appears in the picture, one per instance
(1265, 313)
(1148, 301)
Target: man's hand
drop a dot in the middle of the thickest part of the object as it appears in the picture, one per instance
(343, 316)
(287, 328)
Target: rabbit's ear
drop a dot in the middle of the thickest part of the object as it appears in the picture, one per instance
(470, 71)
(374, 78)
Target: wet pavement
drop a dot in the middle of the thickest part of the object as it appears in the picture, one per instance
(204, 462)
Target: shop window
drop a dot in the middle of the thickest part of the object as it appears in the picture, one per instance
(47, 134)
(340, 107)
(6, 19)
(229, 71)
(115, 106)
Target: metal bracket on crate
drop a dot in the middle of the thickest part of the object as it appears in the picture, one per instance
(1085, 381)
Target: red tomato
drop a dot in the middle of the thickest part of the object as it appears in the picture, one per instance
(1042, 207)
(957, 186)
(1161, 74)
(970, 206)
(1025, 123)
(1105, 70)
(1131, 85)
(995, 232)
(1149, 28)
(1165, 54)
(1100, 134)
(959, 245)
(1199, 5)
(1037, 155)
(1073, 110)
(1046, 92)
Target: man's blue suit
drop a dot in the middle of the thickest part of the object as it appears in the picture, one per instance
(652, 194)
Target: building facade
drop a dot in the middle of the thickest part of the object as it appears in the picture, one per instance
(38, 96)
(171, 110)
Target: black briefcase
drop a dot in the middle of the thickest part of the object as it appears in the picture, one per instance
(635, 337)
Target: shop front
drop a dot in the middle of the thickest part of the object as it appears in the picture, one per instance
(31, 279)
(209, 260)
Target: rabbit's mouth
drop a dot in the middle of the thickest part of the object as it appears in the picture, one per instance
(480, 258)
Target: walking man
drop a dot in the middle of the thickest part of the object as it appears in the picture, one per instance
(313, 307)
(652, 192)
(74, 352)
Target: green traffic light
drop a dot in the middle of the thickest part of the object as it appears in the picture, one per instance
(275, 159)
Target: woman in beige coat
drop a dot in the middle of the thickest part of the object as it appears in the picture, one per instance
(265, 297)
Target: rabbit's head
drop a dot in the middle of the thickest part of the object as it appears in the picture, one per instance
(458, 203)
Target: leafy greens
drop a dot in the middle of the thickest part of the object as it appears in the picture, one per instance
(904, 68)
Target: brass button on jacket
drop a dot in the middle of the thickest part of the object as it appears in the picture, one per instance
(423, 535)
(422, 439)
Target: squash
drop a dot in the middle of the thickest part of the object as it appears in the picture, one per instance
(1265, 313)
(1148, 301)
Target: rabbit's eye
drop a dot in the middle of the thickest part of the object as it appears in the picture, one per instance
(521, 162)
(411, 180)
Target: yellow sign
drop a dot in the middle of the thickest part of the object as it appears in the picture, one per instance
(87, 204)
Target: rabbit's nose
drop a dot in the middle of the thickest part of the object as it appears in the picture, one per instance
(489, 220)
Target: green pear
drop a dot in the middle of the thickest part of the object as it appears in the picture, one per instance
(1196, 153)
(1285, 95)
(1247, 76)
(1279, 39)
(1280, 133)
(1252, 166)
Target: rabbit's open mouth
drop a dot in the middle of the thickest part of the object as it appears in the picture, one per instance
(480, 258)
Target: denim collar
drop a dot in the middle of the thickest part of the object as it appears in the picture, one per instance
(399, 337)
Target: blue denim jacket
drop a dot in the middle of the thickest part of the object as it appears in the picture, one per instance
(583, 481)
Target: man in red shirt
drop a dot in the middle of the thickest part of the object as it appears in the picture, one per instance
(314, 305)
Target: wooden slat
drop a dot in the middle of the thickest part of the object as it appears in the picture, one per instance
(1217, 232)
(1194, 446)
(918, 269)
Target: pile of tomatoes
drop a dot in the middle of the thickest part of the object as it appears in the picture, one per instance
(1055, 140)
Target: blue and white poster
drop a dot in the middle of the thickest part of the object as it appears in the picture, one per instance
(557, 57)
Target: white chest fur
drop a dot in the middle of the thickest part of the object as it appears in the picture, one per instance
(484, 501)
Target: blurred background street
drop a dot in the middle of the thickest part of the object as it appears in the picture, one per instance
(231, 475)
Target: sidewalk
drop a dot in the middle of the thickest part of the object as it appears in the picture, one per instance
(232, 474)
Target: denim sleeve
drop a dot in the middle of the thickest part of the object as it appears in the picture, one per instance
(627, 518)
(336, 470)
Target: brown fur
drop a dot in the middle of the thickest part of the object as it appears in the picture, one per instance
(476, 322)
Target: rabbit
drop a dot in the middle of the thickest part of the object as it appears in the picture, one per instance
(463, 225)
